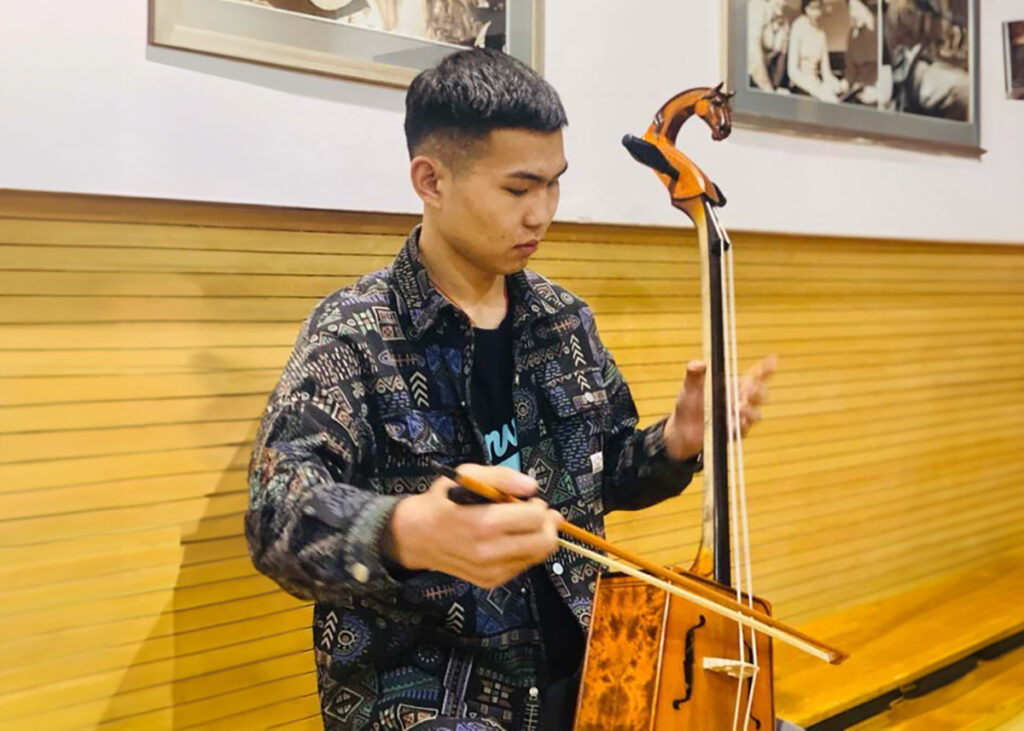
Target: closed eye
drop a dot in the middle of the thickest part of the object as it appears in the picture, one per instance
(517, 191)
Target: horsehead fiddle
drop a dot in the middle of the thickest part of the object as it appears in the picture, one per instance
(670, 648)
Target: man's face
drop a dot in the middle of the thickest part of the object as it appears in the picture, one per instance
(494, 210)
(813, 10)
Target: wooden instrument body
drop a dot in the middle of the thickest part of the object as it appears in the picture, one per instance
(634, 674)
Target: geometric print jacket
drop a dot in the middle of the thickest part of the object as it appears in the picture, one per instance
(377, 388)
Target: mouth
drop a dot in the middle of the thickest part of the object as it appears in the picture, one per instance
(527, 247)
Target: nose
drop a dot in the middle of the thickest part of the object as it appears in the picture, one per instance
(540, 209)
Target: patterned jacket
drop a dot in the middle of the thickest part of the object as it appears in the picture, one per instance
(376, 388)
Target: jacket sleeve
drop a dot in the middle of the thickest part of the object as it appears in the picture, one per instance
(309, 526)
(638, 471)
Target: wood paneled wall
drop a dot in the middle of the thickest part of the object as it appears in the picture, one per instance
(139, 340)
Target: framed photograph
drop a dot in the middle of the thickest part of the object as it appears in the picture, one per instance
(1013, 48)
(380, 41)
(904, 72)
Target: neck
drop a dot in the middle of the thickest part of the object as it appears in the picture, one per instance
(479, 294)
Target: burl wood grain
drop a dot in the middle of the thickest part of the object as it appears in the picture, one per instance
(634, 668)
(620, 673)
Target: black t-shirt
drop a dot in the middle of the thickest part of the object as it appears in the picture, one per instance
(491, 404)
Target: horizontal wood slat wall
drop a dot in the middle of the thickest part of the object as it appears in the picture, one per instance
(139, 340)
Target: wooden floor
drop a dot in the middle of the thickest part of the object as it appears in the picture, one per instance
(989, 698)
(893, 642)
(1015, 724)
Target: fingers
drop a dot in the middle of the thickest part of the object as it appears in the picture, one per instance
(752, 393)
(528, 517)
(484, 544)
(515, 554)
(691, 393)
(748, 417)
(753, 389)
(764, 368)
(506, 540)
(509, 518)
(505, 479)
(440, 486)
(695, 370)
(749, 413)
(522, 549)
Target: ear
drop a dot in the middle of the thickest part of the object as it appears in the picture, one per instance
(718, 88)
(730, 94)
(426, 174)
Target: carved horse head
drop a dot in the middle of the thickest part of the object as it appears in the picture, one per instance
(713, 107)
(657, 149)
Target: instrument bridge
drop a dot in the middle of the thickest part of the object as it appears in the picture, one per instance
(738, 669)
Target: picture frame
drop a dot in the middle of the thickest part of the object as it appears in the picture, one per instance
(324, 39)
(890, 72)
(1013, 53)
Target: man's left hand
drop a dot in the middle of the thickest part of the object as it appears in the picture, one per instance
(684, 430)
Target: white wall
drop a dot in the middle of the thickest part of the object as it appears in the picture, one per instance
(86, 106)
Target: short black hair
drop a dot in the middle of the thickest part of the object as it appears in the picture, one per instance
(472, 92)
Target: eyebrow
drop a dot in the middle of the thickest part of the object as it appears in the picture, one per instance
(526, 175)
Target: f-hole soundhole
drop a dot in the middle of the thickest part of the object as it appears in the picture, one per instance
(749, 653)
(688, 665)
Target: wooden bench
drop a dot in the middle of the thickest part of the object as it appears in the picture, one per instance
(901, 639)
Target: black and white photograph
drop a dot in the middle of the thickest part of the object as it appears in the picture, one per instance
(926, 47)
(471, 23)
(871, 69)
(823, 49)
(1013, 35)
(377, 41)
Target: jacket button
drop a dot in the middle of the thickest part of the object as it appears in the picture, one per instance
(557, 569)
(359, 572)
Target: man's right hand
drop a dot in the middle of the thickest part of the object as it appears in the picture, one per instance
(486, 545)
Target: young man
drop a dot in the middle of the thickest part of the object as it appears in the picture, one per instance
(431, 613)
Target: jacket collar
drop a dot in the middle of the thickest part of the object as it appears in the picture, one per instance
(531, 296)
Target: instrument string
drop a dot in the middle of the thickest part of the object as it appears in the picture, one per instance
(729, 378)
(742, 489)
(744, 580)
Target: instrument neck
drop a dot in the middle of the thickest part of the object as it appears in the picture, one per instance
(715, 530)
